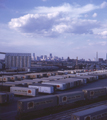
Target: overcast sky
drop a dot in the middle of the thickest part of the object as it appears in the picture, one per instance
(61, 27)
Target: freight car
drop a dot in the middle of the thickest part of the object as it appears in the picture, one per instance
(59, 85)
(43, 88)
(95, 113)
(20, 77)
(24, 91)
(1, 79)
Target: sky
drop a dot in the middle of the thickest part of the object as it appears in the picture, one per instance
(61, 27)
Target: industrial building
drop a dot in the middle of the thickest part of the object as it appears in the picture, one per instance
(17, 60)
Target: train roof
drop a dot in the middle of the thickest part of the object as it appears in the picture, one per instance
(37, 98)
(75, 92)
(95, 88)
(38, 84)
(90, 111)
(2, 93)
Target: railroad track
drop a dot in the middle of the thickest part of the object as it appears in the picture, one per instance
(66, 115)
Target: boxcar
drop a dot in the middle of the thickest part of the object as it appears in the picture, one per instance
(3, 98)
(20, 77)
(68, 83)
(10, 83)
(6, 78)
(94, 92)
(37, 103)
(1, 79)
(70, 97)
(24, 91)
(12, 78)
(57, 77)
(43, 88)
(59, 85)
(77, 81)
(25, 81)
(95, 113)
(85, 78)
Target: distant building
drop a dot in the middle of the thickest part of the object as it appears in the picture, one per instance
(50, 55)
(17, 60)
(101, 60)
(34, 56)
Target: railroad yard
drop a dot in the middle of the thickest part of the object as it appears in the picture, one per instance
(53, 95)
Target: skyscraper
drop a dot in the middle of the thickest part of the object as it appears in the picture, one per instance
(33, 56)
(106, 56)
(96, 56)
(50, 55)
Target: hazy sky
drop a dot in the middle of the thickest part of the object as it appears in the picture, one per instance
(61, 27)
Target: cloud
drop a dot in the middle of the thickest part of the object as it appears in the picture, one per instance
(53, 21)
(103, 43)
(44, 0)
(104, 4)
(102, 34)
(94, 15)
(85, 15)
(52, 25)
(76, 10)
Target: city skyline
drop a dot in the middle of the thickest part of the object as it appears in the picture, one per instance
(65, 28)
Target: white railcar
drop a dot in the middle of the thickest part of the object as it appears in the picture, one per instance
(43, 88)
(6, 78)
(59, 85)
(24, 91)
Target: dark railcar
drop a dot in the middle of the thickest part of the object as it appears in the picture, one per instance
(93, 93)
(37, 103)
(71, 97)
(96, 113)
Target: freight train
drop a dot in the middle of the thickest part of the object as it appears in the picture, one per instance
(62, 101)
